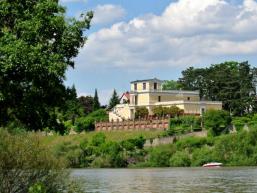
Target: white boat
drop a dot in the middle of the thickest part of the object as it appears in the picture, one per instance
(212, 164)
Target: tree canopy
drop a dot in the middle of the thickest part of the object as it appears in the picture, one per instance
(171, 85)
(37, 45)
(87, 103)
(233, 83)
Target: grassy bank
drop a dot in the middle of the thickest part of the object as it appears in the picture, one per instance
(116, 136)
(125, 149)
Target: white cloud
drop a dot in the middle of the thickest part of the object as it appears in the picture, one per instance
(108, 13)
(186, 33)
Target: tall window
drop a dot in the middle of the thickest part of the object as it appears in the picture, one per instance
(155, 86)
(135, 86)
(144, 86)
(136, 100)
(159, 98)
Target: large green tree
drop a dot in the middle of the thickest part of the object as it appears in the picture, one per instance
(233, 83)
(87, 103)
(37, 45)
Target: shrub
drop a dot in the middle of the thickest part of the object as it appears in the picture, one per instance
(191, 142)
(240, 122)
(172, 111)
(88, 123)
(26, 165)
(180, 159)
(141, 112)
(98, 139)
(184, 124)
(202, 156)
(216, 121)
(85, 124)
(159, 156)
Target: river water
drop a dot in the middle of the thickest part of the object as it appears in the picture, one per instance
(189, 180)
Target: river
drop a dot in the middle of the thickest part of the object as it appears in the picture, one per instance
(164, 180)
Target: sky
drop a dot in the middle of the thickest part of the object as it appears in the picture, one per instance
(140, 39)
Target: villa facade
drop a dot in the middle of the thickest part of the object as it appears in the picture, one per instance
(149, 94)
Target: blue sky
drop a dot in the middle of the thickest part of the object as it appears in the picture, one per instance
(139, 39)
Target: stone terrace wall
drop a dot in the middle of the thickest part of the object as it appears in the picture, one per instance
(168, 140)
(143, 125)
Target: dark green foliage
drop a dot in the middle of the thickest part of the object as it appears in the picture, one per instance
(216, 121)
(87, 104)
(88, 123)
(141, 112)
(96, 103)
(37, 45)
(233, 83)
(71, 109)
(114, 100)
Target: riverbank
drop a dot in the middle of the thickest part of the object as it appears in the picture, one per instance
(102, 151)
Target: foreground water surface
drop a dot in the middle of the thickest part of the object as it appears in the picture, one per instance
(190, 180)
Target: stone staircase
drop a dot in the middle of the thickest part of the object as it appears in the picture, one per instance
(115, 116)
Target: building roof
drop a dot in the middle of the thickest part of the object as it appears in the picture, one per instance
(126, 94)
(148, 80)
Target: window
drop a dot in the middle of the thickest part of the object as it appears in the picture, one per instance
(188, 98)
(155, 86)
(136, 100)
(159, 98)
(135, 86)
(144, 86)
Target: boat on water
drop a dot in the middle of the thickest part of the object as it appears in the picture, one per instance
(213, 165)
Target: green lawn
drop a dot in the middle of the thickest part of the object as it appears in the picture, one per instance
(110, 136)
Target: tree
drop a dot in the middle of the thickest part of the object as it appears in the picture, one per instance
(216, 121)
(233, 83)
(37, 45)
(87, 103)
(96, 103)
(141, 112)
(171, 85)
(114, 100)
(72, 108)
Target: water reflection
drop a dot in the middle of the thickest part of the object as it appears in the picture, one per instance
(189, 180)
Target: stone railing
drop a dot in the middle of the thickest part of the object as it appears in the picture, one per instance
(133, 125)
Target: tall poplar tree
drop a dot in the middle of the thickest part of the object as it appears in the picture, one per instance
(96, 103)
